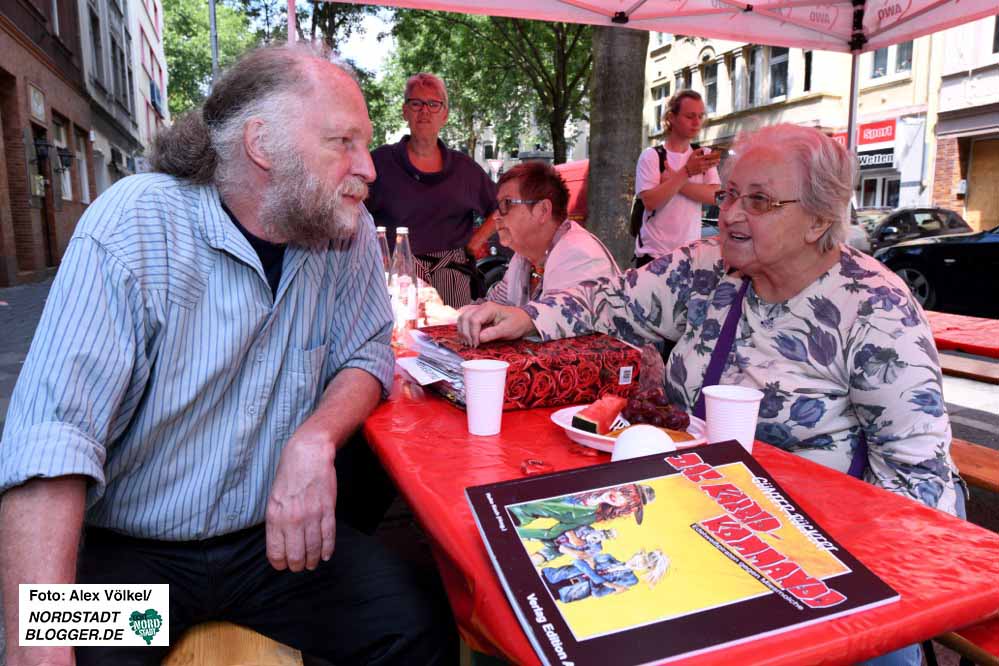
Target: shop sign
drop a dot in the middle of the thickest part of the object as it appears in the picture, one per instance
(872, 133)
(36, 102)
(877, 159)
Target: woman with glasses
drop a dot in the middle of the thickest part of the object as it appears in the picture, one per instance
(435, 191)
(839, 347)
(551, 251)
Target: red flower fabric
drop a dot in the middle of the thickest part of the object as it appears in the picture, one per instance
(557, 373)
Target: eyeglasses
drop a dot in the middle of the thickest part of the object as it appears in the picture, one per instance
(433, 105)
(756, 203)
(504, 204)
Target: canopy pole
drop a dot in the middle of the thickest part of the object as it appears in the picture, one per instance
(851, 125)
(214, 37)
(292, 22)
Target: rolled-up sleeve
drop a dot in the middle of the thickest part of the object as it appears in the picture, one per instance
(362, 327)
(78, 386)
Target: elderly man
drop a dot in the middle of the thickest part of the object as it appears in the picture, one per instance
(184, 398)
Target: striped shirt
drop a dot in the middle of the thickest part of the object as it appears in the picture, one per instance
(164, 369)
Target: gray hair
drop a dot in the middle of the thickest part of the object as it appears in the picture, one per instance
(824, 168)
(265, 83)
(426, 80)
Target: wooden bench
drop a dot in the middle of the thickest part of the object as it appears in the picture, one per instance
(227, 644)
(970, 368)
(979, 465)
(977, 644)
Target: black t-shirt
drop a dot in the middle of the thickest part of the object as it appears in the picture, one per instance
(271, 254)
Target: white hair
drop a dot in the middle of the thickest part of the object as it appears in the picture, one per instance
(824, 168)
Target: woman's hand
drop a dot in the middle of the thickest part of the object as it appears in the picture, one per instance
(490, 321)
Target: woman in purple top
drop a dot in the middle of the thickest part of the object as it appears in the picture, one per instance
(435, 191)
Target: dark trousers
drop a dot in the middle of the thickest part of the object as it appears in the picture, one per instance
(364, 606)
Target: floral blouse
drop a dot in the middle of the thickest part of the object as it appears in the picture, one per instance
(850, 354)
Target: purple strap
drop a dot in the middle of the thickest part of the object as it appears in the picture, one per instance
(724, 345)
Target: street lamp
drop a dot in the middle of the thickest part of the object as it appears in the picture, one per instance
(41, 149)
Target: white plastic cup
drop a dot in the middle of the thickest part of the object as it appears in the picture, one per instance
(485, 384)
(731, 413)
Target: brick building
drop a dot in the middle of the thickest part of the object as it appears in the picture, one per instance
(45, 173)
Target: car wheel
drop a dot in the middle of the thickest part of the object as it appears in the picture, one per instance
(919, 285)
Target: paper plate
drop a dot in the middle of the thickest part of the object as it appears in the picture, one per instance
(563, 419)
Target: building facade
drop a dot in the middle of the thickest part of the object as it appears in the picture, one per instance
(107, 43)
(967, 129)
(748, 86)
(149, 63)
(82, 93)
(45, 173)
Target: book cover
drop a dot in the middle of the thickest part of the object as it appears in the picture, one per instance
(555, 373)
(652, 559)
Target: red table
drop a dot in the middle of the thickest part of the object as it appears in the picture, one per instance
(973, 335)
(946, 570)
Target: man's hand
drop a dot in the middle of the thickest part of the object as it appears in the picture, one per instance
(699, 163)
(301, 522)
(490, 321)
(301, 518)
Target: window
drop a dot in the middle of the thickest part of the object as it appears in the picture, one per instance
(65, 176)
(95, 31)
(711, 87)
(660, 96)
(752, 64)
(903, 57)
(778, 71)
(686, 79)
(145, 49)
(81, 166)
(55, 17)
(808, 71)
(895, 59)
(995, 37)
(879, 63)
(879, 191)
(679, 82)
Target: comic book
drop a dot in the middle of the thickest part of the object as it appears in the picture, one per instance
(648, 560)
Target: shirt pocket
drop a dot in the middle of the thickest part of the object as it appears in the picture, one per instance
(301, 385)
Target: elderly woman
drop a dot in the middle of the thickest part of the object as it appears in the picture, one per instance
(551, 252)
(837, 344)
(435, 191)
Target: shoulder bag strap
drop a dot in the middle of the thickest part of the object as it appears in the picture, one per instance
(720, 354)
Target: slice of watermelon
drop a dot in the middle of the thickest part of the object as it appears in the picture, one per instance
(598, 417)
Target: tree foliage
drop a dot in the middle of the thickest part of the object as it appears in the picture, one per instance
(188, 50)
(500, 72)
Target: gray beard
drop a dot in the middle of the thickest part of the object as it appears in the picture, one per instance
(299, 208)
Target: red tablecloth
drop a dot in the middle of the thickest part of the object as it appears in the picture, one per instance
(973, 335)
(945, 569)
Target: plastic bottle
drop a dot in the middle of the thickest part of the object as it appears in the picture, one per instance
(386, 253)
(402, 284)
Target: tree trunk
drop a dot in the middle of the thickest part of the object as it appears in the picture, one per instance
(619, 56)
(556, 126)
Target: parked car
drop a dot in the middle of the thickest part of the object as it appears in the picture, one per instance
(956, 273)
(868, 218)
(912, 223)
